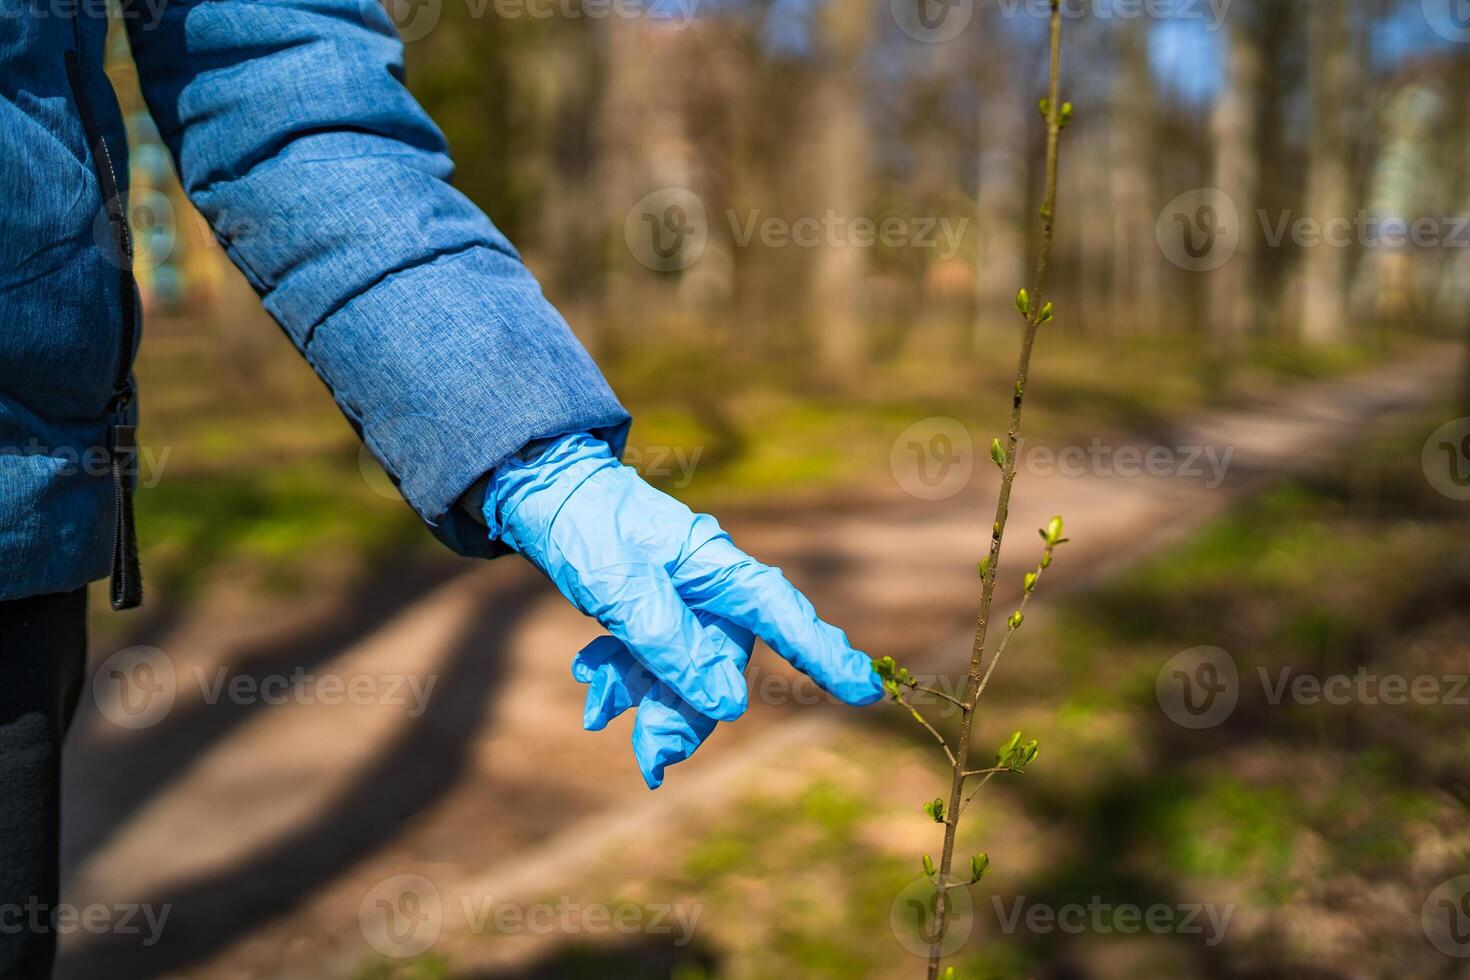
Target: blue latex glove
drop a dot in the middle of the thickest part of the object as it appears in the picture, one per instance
(666, 729)
(645, 566)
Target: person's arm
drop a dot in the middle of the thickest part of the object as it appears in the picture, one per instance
(328, 186)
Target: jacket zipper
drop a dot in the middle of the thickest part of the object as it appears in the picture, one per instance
(126, 587)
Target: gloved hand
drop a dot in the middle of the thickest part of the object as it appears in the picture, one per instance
(645, 566)
(666, 729)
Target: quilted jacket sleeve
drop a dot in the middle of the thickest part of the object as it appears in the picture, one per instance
(329, 187)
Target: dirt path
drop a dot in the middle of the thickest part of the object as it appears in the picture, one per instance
(266, 819)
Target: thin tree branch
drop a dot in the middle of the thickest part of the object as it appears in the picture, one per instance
(928, 727)
(940, 694)
(977, 675)
(1005, 640)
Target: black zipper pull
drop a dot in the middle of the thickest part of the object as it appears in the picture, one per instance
(126, 588)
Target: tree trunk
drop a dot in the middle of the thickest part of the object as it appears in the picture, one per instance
(841, 155)
(837, 276)
(1234, 292)
(1137, 280)
(1324, 271)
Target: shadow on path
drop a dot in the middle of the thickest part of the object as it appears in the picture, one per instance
(414, 771)
(104, 785)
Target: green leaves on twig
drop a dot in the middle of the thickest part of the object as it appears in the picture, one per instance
(1017, 618)
(1052, 533)
(1064, 115)
(929, 866)
(890, 670)
(935, 809)
(984, 567)
(997, 453)
(893, 676)
(1023, 306)
(979, 866)
(1014, 756)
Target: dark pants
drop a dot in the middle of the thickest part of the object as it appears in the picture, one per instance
(43, 658)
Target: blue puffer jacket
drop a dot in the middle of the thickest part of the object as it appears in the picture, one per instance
(328, 186)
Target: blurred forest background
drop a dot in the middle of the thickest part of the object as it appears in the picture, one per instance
(573, 127)
(694, 184)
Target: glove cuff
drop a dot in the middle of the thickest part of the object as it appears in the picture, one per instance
(527, 490)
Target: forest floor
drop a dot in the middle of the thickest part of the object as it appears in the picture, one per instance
(271, 827)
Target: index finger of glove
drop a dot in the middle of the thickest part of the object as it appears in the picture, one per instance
(720, 578)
